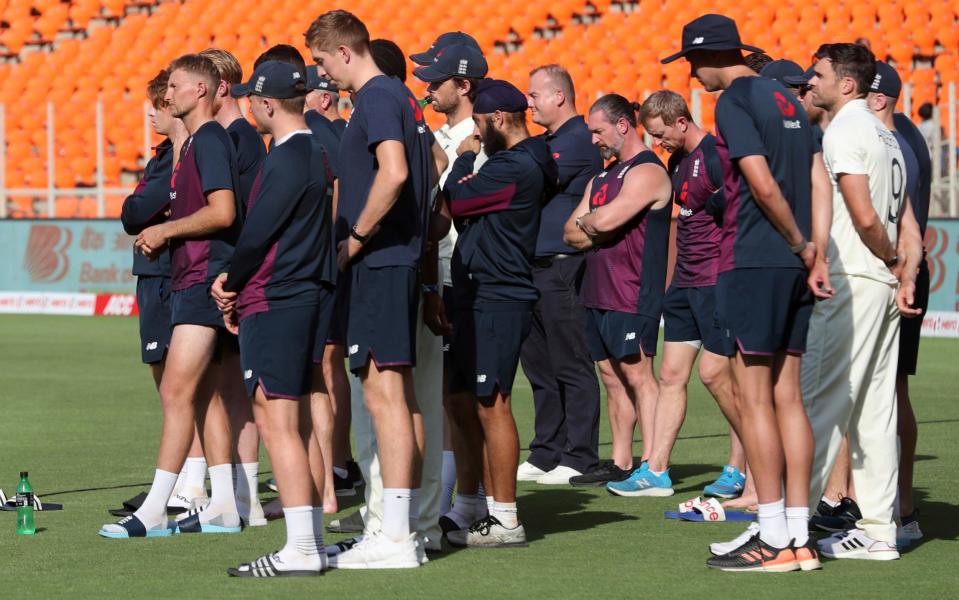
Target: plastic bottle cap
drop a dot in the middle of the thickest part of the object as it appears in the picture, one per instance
(23, 474)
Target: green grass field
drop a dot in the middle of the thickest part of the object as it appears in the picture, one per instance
(80, 413)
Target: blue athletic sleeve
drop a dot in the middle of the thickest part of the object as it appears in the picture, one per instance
(384, 117)
(716, 203)
(280, 187)
(492, 189)
(146, 205)
(738, 128)
(213, 161)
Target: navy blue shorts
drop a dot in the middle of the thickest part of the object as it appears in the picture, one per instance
(690, 315)
(339, 310)
(613, 334)
(485, 347)
(382, 316)
(448, 307)
(275, 351)
(156, 323)
(326, 310)
(195, 306)
(911, 329)
(763, 311)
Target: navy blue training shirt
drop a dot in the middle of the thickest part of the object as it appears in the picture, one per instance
(578, 161)
(207, 163)
(146, 205)
(912, 168)
(385, 109)
(913, 137)
(284, 251)
(250, 152)
(759, 117)
(497, 215)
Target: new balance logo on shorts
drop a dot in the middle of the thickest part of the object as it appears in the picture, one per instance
(631, 336)
(248, 374)
(481, 379)
(354, 349)
(152, 345)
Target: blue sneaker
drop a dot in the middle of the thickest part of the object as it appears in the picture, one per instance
(729, 485)
(643, 482)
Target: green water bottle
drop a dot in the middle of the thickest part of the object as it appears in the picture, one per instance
(25, 525)
(425, 101)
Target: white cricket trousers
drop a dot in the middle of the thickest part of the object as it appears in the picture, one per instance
(428, 384)
(849, 386)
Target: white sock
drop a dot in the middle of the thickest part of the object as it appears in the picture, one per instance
(830, 503)
(153, 510)
(396, 513)
(505, 512)
(247, 481)
(657, 473)
(195, 468)
(301, 550)
(448, 481)
(490, 501)
(222, 499)
(414, 509)
(772, 524)
(341, 472)
(797, 523)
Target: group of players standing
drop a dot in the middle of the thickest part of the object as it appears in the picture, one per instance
(272, 268)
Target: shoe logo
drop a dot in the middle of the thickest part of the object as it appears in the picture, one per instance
(354, 349)
(248, 374)
(630, 336)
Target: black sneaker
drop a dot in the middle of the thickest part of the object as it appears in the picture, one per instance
(601, 475)
(343, 485)
(756, 555)
(354, 473)
(836, 519)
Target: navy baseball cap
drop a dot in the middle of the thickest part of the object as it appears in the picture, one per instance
(886, 81)
(315, 82)
(710, 32)
(458, 60)
(272, 79)
(450, 38)
(495, 94)
(778, 70)
(801, 79)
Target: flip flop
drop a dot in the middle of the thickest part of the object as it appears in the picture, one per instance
(129, 506)
(10, 505)
(265, 567)
(711, 510)
(134, 528)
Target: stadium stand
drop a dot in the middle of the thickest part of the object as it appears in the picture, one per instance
(73, 53)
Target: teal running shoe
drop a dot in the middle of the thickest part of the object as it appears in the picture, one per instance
(729, 484)
(643, 482)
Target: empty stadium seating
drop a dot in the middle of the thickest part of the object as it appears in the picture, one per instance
(78, 52)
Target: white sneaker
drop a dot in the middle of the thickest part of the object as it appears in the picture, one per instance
(528, 472)
(187, 498)
(558, 476)
(251, 512)
(377, 551)
(351, 523)
(489, 533)
(856, 544)
(723, 548)
(908, 533)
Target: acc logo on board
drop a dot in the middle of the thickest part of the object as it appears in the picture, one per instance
(46, 258)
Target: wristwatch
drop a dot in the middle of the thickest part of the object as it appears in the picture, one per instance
(356, 235)
(798, 247)
(892, 262)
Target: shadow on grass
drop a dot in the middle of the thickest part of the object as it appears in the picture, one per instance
(561, 510)
(935, 518)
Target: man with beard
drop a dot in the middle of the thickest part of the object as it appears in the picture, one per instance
(623, 221)
(497, 213)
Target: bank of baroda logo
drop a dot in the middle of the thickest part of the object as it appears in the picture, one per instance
(46, 259)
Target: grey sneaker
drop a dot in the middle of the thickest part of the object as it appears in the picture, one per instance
(351, 523)
(489, 533)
